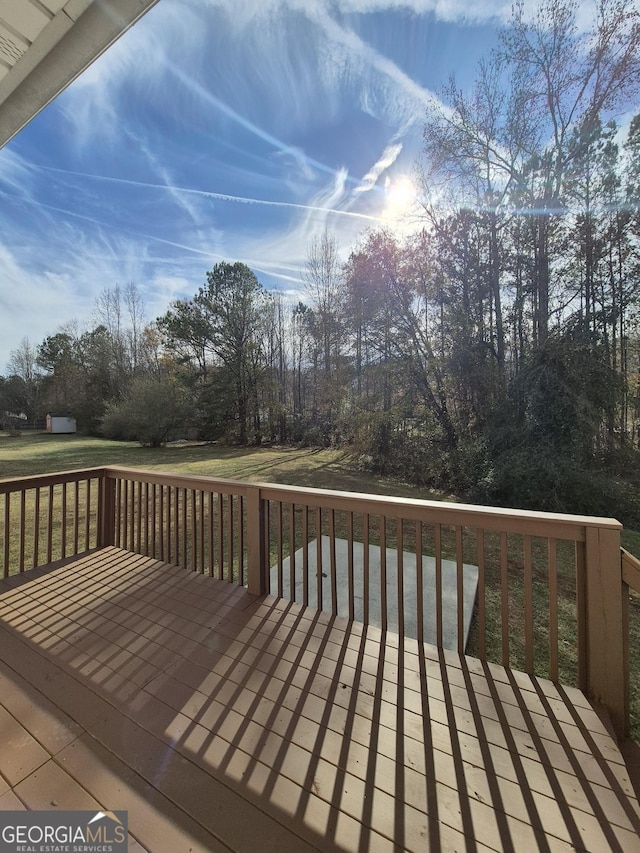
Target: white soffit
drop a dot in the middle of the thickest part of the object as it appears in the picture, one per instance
(45, 44)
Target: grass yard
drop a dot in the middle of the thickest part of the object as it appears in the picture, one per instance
(330, 469)
(323, 469)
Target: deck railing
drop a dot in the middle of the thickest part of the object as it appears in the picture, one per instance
(48, 518)
(552, 590)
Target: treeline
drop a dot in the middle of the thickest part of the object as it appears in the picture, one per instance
(493, 351)
(81, 371)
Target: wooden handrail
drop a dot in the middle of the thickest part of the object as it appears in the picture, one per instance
(39, 481)
(630, 570)
(564, 525)
(183, 481)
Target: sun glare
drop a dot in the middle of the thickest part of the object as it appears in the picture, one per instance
(400, 196)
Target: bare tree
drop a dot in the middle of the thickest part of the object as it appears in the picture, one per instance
(23, 369)
(568, 79)
(23, 361)
(324, 284)
(510, 144)
(323, 280)
(136, 324)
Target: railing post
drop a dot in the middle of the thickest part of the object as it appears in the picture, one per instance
(106, 511)
(630, 581)
(605, 624)
(256, 553)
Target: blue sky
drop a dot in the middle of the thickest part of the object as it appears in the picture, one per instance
(222, 130)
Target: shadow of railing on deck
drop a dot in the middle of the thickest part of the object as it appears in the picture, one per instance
(343, 736)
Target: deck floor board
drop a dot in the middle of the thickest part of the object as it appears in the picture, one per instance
(222, 721)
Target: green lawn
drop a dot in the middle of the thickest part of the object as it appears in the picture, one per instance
(325, 469)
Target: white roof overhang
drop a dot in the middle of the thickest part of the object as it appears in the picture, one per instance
(45, 44)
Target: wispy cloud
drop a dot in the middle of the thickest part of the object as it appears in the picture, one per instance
(331, 198)
(387, 158)
(285, 253)
(445, 10)
(42, 292)
(131, 71)
(15, 171)
(182, 199)
(456, 11)
(33, 293)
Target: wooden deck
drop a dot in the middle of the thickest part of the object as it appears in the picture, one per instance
(222, 721)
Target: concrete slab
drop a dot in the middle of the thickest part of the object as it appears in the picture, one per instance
(449, 588)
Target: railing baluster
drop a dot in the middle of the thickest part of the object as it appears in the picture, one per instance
(211, 513)
(437, 539)
(460, 589)
(581, 613)
(280, 551)
(172, 497)
(365, 568)
(230, 548)
(124, 512)
(194, 532)
(258, 582)
(23, 529)
(185, 528)
(383, 572)
(332, 559)
(146, 519)
(152, 520)
(87, 517)
(169, 523)
(174, 554)
(400, 578)
(7, 536)
(267, 543)
(220, 536)
(482, 600)
(553, 609)
(528, 605)
(36, 528)
(76, 513)
(63, 543)
(138, 547)
(132, 516)
(241, 520)
(124, 517)
(319, 558)
(201, 531)
(119, 513)
(305, 555)
(292, 551)
(49, 525)
(419, 584)
(160, 521)
(504, 598)
(350, 575)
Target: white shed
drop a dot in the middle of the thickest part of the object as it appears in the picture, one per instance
(60, 424)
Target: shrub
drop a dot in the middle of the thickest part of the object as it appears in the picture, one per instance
(150, 413)
(537, 478)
